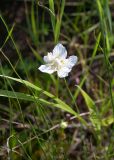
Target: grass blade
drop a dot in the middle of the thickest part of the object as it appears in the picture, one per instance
(94, 116)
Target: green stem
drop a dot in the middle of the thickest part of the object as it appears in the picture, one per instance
(71, 95)
(57, 87)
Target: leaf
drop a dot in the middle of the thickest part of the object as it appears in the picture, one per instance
(17, 95)
(59, 103)
(108, 121)
(59, 21)
(23, 96)
(94, 116)
(51, 6)
(95, 48)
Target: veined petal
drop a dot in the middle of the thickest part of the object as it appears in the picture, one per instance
(60, 51)
(63, 72)
(46, 69)
(48, 58)
(71, 61)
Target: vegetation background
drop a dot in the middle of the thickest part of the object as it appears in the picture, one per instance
(43, 117)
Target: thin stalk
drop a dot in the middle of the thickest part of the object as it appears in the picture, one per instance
(70, 93)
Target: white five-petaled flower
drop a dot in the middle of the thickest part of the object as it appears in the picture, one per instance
(57, 61)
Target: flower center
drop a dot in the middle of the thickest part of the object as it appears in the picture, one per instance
(57, 63)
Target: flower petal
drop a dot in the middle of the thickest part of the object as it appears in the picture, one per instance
(60, 51)
(63, 72)
(46, 69)
(48, 58)
(72, 61)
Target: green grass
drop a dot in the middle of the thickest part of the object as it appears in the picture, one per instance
(34, 105)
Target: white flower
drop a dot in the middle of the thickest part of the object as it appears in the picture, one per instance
(57, 61)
